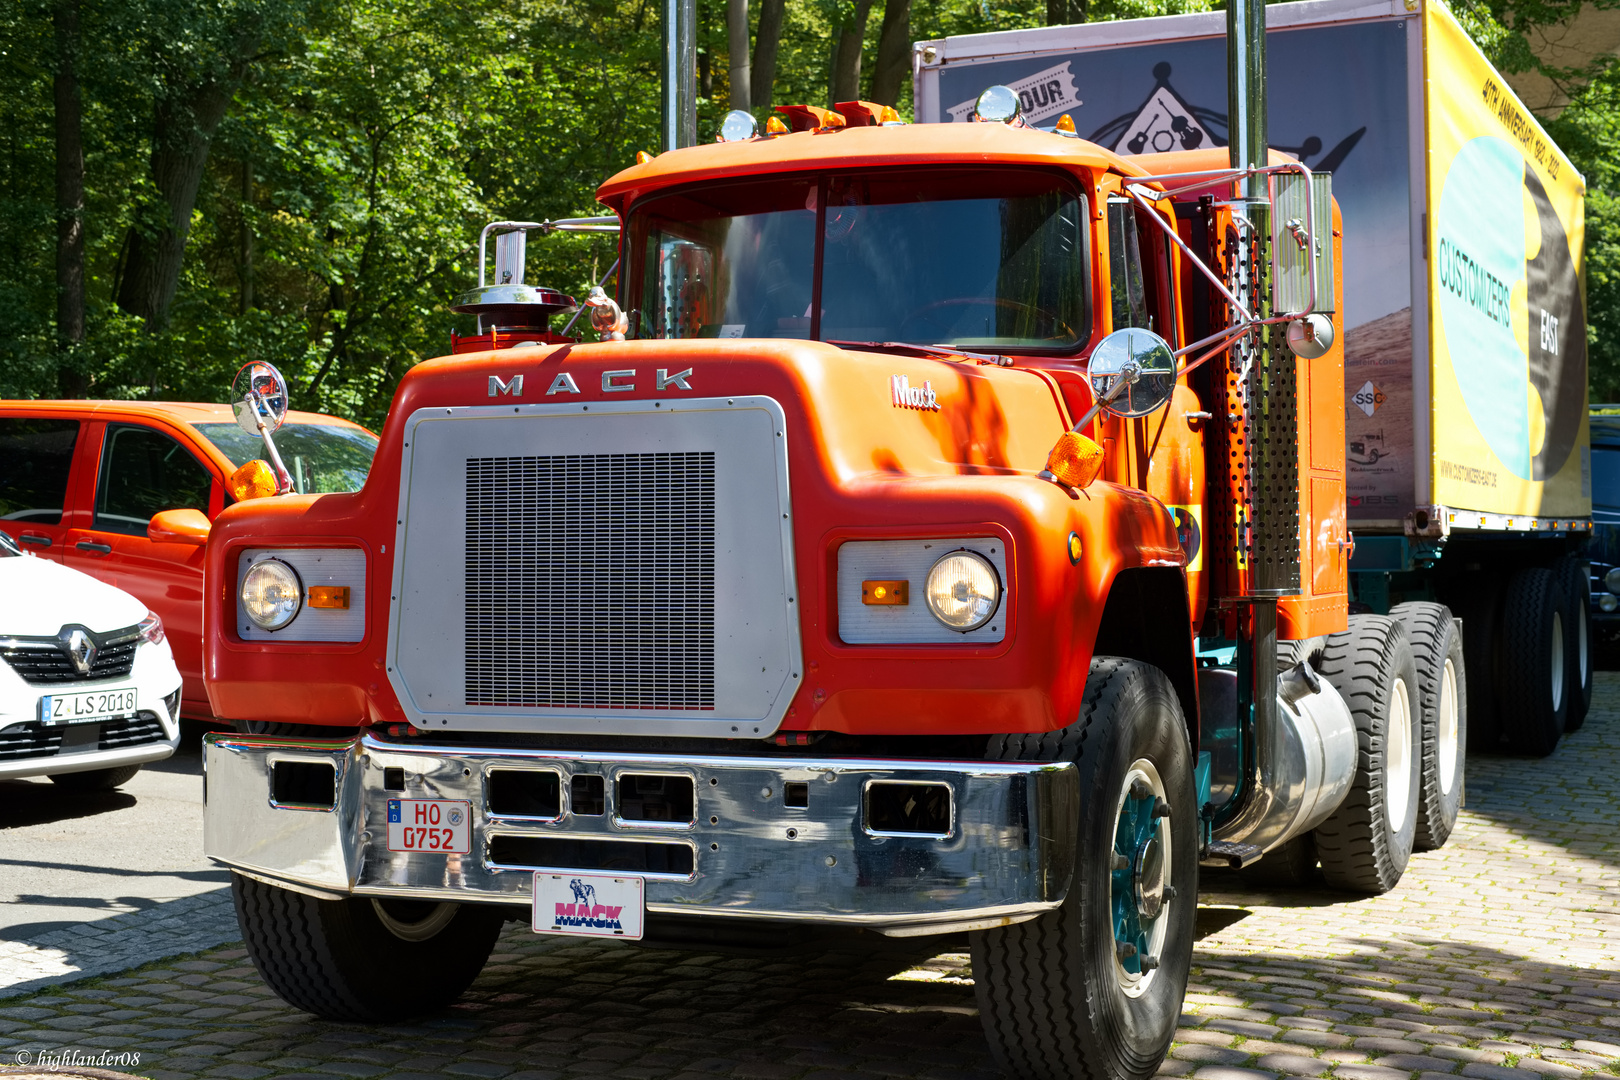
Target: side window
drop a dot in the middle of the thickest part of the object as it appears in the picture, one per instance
(38, 453)
(144, 472)
(1129, 293)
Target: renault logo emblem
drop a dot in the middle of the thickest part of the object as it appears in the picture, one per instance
(80, 649)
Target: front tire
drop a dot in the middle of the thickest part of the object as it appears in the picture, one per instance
(1365, 844)
(1442, 692)
(362, 959)
(1093, 990)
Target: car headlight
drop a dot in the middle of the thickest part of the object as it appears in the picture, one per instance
(1608, 602)
(272, 593)
(1611, 580)
(963, 590)
(151, 629)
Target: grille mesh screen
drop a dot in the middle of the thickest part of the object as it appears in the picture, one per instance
(590, 581)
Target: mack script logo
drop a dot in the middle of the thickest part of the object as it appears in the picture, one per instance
(585, 911)
(907, 396)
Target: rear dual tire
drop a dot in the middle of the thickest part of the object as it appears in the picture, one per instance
(1533, 677)
(1365, 844)
(1442, 697)
(1057, 995)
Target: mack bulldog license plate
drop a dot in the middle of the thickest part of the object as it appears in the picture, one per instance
(590, 905)
(87, 707)
(442, 825)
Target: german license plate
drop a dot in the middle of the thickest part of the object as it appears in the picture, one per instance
(431, 825)
(88, 707)
(589, 905)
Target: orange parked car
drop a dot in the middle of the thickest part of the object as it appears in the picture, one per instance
(80, 482)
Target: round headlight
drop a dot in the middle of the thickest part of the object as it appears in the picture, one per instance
(963, 591)
(1608, 602)
(271, 593)
(1611, 580)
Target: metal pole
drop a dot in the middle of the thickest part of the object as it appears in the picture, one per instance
(680, 73)
(1246, 89)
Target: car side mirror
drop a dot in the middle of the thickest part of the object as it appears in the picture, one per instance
(179, 527)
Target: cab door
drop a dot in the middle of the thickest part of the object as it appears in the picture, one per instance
(36, 463)
(144, 471)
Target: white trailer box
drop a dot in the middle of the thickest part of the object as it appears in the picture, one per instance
(1482, 426)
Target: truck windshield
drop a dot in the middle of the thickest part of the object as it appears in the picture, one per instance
(962, 257)
(321, 457)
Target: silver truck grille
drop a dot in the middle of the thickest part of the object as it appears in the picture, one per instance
(590, 581)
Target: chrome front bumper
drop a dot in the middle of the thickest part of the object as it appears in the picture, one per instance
(1007, 854)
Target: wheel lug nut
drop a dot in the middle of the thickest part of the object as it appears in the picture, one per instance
(1161, 808)
(1149, 963)
(1125, 950)
(1169, 892)
(1119, 862)
(1140, 789)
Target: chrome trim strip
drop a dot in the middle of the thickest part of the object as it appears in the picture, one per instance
(1009, 855)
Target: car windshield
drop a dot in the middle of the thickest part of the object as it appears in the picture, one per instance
(962, 257)
(1606, 479)
(321, 457)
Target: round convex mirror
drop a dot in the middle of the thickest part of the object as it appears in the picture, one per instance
(259, 393)
(1132, 372)
(998, 105)
(738, 126)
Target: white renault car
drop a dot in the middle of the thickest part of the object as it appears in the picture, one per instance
(88, 687)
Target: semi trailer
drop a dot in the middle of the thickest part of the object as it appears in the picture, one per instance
(944, 531)
(1467, 452)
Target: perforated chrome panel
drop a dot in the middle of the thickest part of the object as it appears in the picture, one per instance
(909, 561)
(620, 568)
(590, 581)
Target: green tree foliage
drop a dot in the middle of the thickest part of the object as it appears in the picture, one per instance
(365, 142)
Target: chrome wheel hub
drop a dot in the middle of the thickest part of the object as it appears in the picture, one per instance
(1139, 879)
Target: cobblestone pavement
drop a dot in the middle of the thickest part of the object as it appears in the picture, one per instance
(1496, 958)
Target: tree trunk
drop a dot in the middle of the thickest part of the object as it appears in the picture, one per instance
(245, 302)
(183, 129)
(846, 58)
(737, 51)
(894, 53)
(762, 74)
(69, 195)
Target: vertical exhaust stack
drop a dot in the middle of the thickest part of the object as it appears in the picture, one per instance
(1264, 371)
(680, 73)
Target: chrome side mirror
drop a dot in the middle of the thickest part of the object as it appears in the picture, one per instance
(1132, 372)
(259, 399)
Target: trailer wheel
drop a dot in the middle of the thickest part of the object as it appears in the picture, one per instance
(1477, 602)
(1363, 847)
(1533, 675)
(1093, 990)
(363, 959)
(1576, 583)
(1442, 692)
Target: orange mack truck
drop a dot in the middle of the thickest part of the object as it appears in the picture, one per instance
(946, 533)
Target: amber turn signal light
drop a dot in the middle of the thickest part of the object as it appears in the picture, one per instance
(329, 596)
(1075, 461)
(1065, 125)
(885, 593)
(253, 480)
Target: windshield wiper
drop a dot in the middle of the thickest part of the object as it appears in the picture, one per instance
(929, 351)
